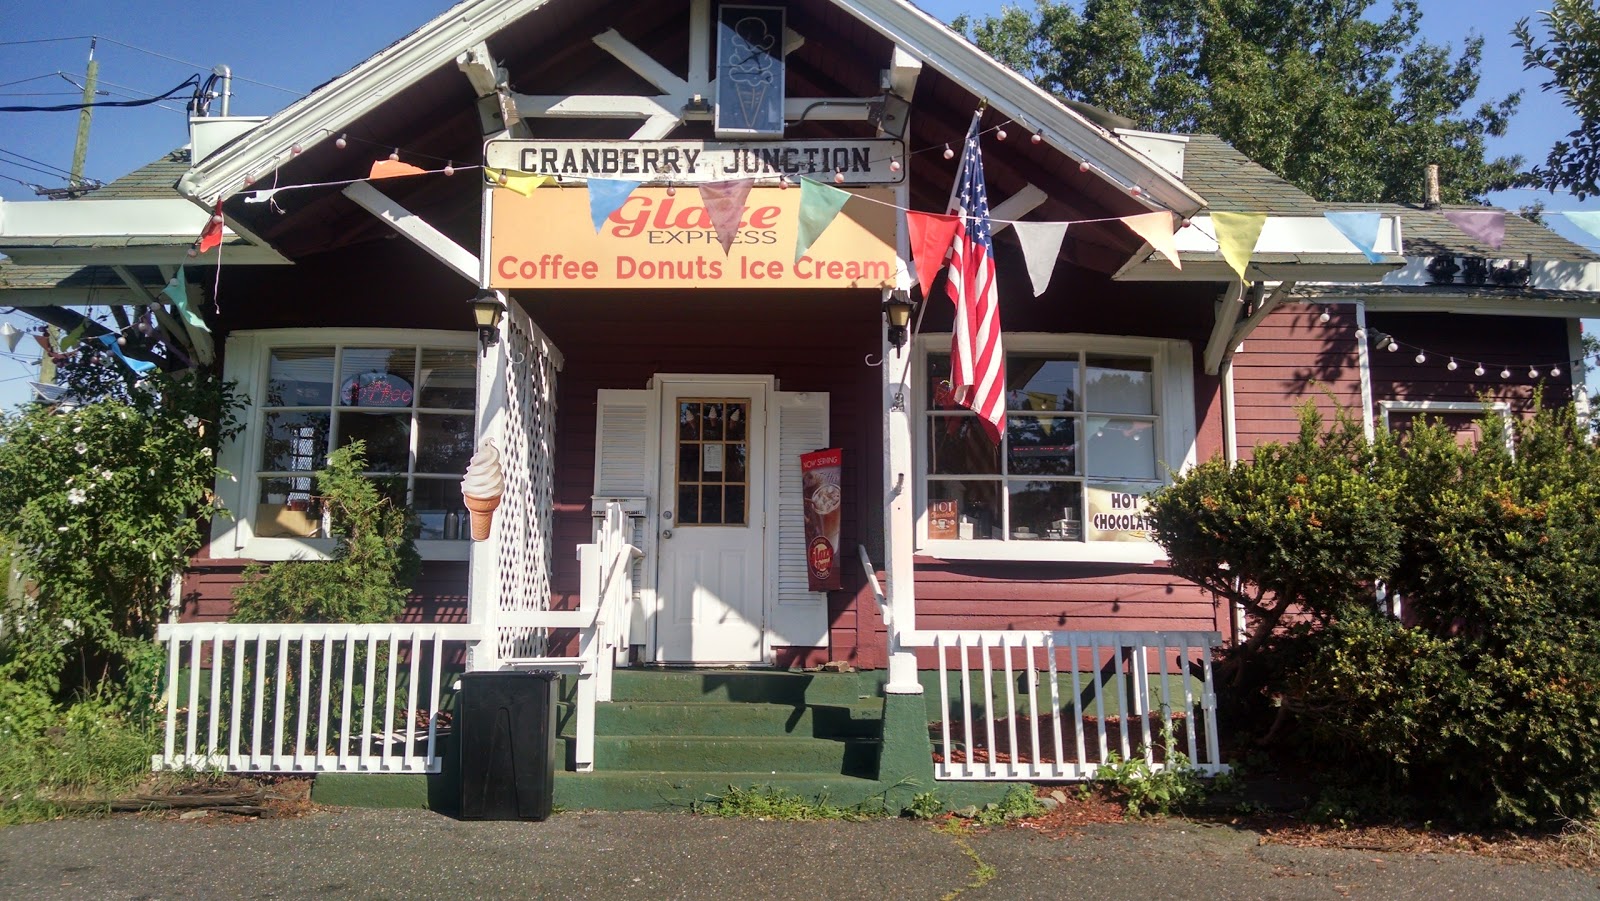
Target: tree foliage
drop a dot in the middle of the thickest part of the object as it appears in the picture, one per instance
(102, 504)
(367, 577)
(1345, 107)
(1483, 701)
(1570, 55)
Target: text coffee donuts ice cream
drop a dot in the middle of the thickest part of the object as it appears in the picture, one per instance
(482, 487)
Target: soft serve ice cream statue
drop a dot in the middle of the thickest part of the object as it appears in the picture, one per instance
(482, 487)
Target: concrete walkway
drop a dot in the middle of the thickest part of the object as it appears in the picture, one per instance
(346, 853)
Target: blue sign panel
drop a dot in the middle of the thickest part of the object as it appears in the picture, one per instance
(749, 71)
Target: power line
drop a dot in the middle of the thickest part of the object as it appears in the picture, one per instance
(192, 81)
(34, 161)
(198, 66)
(78, 37)
(31, 168)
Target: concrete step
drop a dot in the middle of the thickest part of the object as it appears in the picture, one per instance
(668, 790)
(745, 686)
(743, 754)
(679, 718)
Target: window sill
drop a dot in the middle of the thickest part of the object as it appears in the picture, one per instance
(1046, 551)
(272, 550)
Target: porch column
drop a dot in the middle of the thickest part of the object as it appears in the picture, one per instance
(483, 580)
(899, 484)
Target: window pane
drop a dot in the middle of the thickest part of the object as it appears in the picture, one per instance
(388, 437)
(711, 421)
(1042, 445)
(444, 442)
(300, 377)
(969, 511)
(940, 395)
(1050, 511)
(1122, 448)
(449, 379)
(737, 414)
(295, 442)
(1044, 383)
(688, 421)
(688, 462)
(957, 445)
(736, 456)
(711, 505)
(688, 505)
(287, 508)
(377, 376)
(1120, 385)
(733, 513)
(434, 501)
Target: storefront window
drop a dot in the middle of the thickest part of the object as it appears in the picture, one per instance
(410, 401)
(1085, 440)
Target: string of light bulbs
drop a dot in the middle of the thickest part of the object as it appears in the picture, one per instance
(1453, 362)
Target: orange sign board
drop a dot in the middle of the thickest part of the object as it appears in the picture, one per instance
(657, 240)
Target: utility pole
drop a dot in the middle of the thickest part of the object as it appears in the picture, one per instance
(81, 150)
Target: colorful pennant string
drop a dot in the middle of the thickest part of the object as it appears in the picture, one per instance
(521, 182)
(1588, 220)
(1484, 226)
(1361, 229)
(139, 367)
(931, 235)
(393, 169)
(606, 196)
(1041, 246)
(724, 202)
(1237, 234)
(819, 204)
(177, 291)
(1156, 230)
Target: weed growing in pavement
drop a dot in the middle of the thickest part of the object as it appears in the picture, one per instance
(925, 806)
(766, 802)
(1019, 802)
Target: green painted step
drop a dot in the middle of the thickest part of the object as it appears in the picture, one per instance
(746, 686)
(675, 718)
(718, 754)
(656, 790)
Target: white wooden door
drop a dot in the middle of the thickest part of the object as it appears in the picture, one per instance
(711, 548)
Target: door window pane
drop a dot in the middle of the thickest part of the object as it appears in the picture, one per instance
(713, 457)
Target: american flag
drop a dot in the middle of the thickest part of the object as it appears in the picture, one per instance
(978, 363)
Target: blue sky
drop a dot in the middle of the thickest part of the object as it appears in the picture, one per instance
(280, 50)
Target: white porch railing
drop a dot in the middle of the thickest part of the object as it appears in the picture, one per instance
(307, 698)
(1058, 705)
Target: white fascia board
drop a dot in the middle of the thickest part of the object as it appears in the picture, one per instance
(1032, 108)
(143, 218)
(1156, 269)
(1553, 275)
(316, 117)
(1476, 306)
(1290, 234)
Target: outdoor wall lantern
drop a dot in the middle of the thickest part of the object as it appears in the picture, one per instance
(487, 308)
(897, 309)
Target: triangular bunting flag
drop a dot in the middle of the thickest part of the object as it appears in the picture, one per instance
(606, 196)
(12, 335)
(211, 235)
(177, 291)
(393, 169)
(138, 366)
(724, 201)
(1237, 234)
(1041, 245)
(1361, 229)
(931, 237)
(1156, 230)
(1485, 226)
(1587, 220)
(524, 183)
(819, 204)
(75, 337)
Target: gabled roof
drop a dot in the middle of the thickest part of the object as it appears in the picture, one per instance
(321, 115)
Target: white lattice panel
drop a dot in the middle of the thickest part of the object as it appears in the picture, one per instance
(524, 517)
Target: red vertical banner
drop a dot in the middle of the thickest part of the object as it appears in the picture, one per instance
(823, 500)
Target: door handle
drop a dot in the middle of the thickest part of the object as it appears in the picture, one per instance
(666, 533)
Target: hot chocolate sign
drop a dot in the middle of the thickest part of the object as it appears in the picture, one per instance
(822, 500)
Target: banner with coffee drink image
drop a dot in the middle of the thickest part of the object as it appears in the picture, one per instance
(822, 499)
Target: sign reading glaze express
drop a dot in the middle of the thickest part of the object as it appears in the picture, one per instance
(865, 162)
(657, 240)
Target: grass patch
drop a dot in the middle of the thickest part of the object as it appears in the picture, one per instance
(766, 802)
(88, 751)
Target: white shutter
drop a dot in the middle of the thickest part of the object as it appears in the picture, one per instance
(798, 617)
(626, 470)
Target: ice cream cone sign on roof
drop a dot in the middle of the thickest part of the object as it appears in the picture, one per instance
(482, 487)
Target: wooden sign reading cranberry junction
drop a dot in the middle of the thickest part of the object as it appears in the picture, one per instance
(658, 239)
(859, 162)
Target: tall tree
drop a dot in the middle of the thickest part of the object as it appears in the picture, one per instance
(1344, 106)
(1571, 56)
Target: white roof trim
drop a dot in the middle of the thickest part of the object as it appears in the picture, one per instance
(318, 116)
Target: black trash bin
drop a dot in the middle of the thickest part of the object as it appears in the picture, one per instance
(505, 725)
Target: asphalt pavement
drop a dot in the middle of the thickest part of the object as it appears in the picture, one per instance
(343, 853)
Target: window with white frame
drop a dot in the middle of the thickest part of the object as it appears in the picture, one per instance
(1464, 419)
(1093, 424)
(410, 396)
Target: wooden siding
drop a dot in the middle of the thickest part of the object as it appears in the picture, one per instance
(438, 596)
(1292, 357)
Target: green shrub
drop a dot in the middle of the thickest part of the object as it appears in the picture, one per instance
(369, 574)
(50, 756)
(1483, 703)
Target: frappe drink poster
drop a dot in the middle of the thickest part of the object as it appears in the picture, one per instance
(822, 500)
